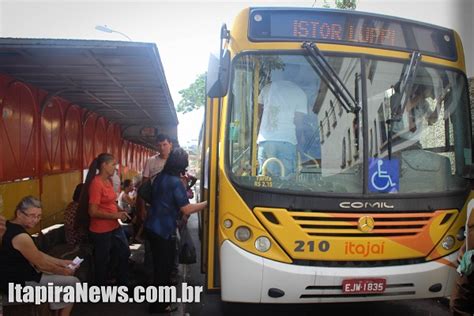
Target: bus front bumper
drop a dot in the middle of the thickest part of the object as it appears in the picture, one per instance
(246, 277)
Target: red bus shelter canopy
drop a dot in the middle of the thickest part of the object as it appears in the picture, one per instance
(121, 81)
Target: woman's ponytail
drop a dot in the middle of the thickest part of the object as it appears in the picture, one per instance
(82, 214)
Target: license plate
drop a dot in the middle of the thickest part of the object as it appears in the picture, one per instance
(363, 286)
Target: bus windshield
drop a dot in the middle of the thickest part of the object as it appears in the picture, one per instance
(288, 131)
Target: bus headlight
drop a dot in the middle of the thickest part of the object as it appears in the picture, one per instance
(448, 242)
(227, 223)
(461, 234)
(242, 233)
(262, 244)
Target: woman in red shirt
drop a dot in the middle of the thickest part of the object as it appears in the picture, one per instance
(108, 237)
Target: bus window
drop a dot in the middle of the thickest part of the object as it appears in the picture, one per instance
(423, 136)
(278, 106)
(241, 119)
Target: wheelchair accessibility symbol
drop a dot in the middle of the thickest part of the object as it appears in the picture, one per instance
(383, 175)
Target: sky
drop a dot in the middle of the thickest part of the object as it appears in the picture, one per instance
(186, 32)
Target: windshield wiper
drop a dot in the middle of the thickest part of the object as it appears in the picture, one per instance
(406, 83)
(331, 78)
(398, 101)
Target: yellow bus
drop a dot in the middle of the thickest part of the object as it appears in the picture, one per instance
(336, 156)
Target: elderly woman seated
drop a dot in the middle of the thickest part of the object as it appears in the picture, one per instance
(22, 263)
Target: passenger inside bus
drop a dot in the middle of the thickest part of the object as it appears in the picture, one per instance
(284, 106)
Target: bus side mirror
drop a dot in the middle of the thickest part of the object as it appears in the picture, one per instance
(218, 72)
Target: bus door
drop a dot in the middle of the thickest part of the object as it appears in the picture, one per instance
(217, 83)
(209, 238)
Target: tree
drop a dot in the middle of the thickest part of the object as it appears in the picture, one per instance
(346, 4)
(194, 96)
(342, 4)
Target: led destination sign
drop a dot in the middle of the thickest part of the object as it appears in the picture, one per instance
(335, 32)
(350, 28)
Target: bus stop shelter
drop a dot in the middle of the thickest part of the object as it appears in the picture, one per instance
(124, 82)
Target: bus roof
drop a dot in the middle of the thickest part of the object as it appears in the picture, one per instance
(121, 81)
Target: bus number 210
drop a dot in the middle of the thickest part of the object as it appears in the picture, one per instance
(301, 246)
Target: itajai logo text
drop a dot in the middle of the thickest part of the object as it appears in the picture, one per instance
(363, 249)
(360, 204)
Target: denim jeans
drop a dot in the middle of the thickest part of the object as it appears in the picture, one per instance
(111, 248)
(283, 151)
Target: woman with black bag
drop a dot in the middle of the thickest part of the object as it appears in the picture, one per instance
(169, 198)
